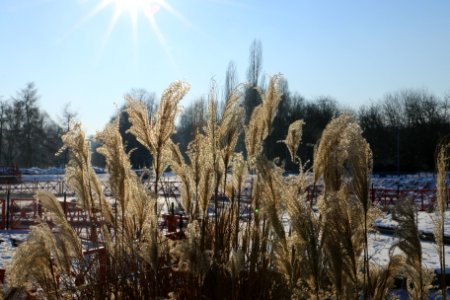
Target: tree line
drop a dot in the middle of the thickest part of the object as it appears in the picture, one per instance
(28, 136)
(403, 128)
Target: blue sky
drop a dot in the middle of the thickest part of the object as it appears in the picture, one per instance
(354, 51)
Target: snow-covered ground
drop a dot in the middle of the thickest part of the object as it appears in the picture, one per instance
(419, 181)
(424, 222)
(381, 181)
(380, 244)
(9, 240)
(50, 174)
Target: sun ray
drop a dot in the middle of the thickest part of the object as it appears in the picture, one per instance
(174, 12)
(92, 13)
(156, 30)
(111, 26)
(134, 9)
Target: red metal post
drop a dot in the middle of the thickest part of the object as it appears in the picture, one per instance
(2, 224)
(421, 200)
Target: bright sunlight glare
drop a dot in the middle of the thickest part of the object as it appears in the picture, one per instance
(135, 9)
(132, 7)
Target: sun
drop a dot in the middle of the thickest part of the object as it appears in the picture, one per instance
(136, 9)
(134, 6)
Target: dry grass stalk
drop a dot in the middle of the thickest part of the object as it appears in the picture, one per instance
(332, 153)
(409, 242)
(32, 263)
(81, 177)
(271, 187)
(344, 160)
(184, 172)
(191, 259)
(343, 241)
(293, 138)
(262, 117)
(212, 132)
(50, 258)
(239, 171)
(307, 237)
(117, 163)
(255, 132)
(271, 100)
(441, 203)
(230, 127)
(134, 202)
(154, 133)
(383, 276)
(196, 168)
(360, 161)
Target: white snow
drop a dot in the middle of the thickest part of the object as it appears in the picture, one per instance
(424, 222)
(7, 247)
(380, 244)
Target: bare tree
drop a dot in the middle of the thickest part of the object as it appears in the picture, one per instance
(192, 119)
(68, 117)
(252, 98)
(3, 109)
(14, 120)
(231, 80)
(28, 136)
(139, 155)
(144, 96)
(255, 59)
(33, 121)
(445, 107)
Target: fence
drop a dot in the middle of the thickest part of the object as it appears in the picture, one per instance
(59, 187)
(424, 199)
(386, 198)
(21, 212)
(56, 187)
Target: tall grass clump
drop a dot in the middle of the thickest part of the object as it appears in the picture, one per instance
(124, 255)
(252, 232)
(343, 160)
(53, 251)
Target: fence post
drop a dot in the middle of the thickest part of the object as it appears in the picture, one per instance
(8, 198)
(3, 215)
(35, 209)
(421, 200)
(65, 205)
